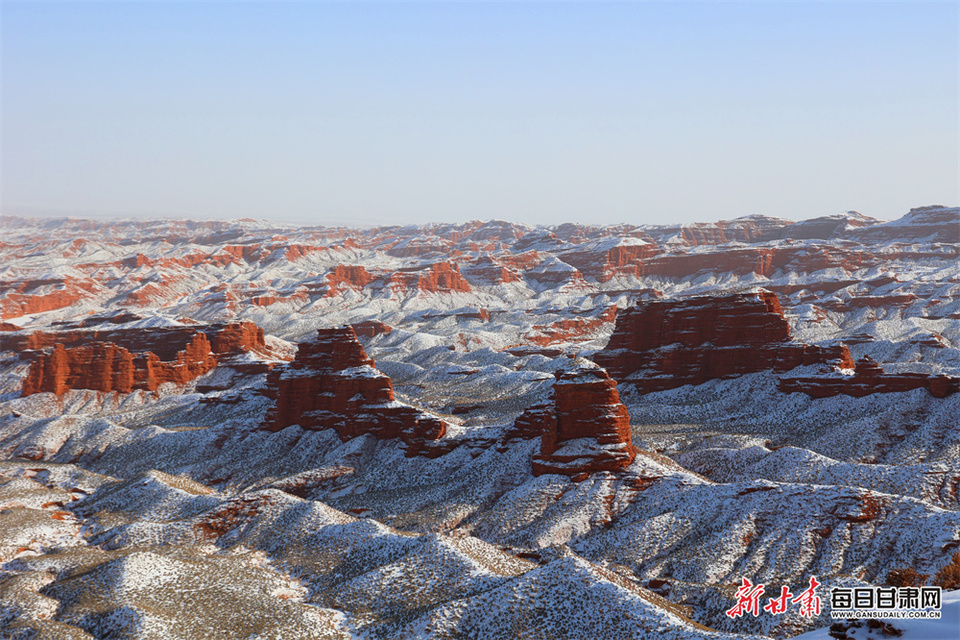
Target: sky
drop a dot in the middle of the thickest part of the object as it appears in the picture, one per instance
(543, 113)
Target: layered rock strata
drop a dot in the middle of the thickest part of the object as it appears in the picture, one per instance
(333, 384)
(662, 345)
(586, 429)
(165, 342)
(371, 328)
(124, 360)
(103, 366)
(869, 377)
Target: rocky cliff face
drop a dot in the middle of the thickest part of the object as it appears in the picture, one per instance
(104, 366)
(439, 277)
(586, 429)
(165, 342)
(333, 384)
(125, 360)
(667, 344)
(237, 338)
(344, 277)
(937, 223)
(371, 328)
(568, 329)
(869, 377)
(602, 260)
(19, 299)
(487, 270)
(755, 228)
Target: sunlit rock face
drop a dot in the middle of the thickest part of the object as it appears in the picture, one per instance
(868, 378)
(586, 429)
(124, 360)
(667, 344)
(333, 384)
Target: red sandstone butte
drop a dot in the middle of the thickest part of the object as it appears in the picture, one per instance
(664, 344)
(868, 378)
(570, 329)
(371, 328)
(333, 384)
(237, 338)
(441, 277)
(25, 299)
(585, 430)
(104, 366)
(616, 256)
(347, 277)
(487, 270)
(125, 360)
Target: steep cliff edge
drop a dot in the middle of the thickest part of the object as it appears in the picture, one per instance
(662, 345)
(333, 384)
(584, 430)
(125, 360)
(869, 377)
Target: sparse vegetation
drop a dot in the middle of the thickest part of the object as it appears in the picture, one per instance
(906, 578)
(949, 576)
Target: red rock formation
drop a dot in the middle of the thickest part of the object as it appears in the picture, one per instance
(347, 276)
(521, 261)
(487, 270)
(8, 326)
(332, 384)
(494, 230)
(587, 429)
(371, 328)
(747, 229)
(667, 344)
(266, 301)
(826, 227)
(237, 338)
(104, 366)
(532, 423)
(876, 302)
(127, 359)
(100, 366)
(438, 277)
(606, 259)
(570, 329)
(941, 224)
(194, 361)
(18, 301)
(420, 247)
(149, 295)
(763, 260)
(137, 261)
(869, 378)
(297, 251)
(244, 252)
(226, 255)
(165, 342)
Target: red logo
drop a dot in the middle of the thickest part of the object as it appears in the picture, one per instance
(748, 600)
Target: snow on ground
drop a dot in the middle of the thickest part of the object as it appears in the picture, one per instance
(140, 514)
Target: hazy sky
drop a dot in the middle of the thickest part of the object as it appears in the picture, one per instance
(368, 113)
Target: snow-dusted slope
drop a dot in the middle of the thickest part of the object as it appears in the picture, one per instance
(173, 513)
